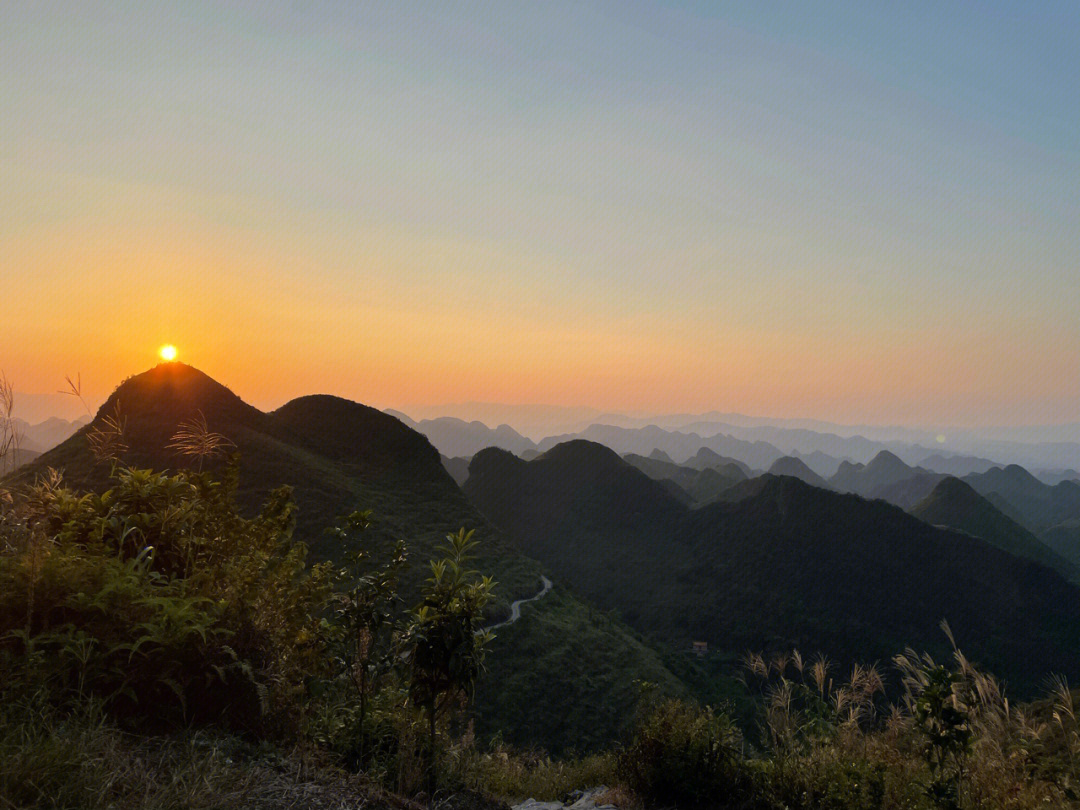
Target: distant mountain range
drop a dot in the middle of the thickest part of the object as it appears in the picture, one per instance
(46, 435)
(678, 458)
(15, 458)
(950, 450)
(1037, 505)
(797, 468)
(697, 470)
(455, 437)
(776, 562)
(698, 485)
(888, 478)
(33, 440)
(757, 447)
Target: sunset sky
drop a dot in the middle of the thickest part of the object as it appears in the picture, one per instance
(842, 212)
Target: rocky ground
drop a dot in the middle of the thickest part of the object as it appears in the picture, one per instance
(592, 799)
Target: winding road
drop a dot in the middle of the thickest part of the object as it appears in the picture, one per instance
(515, 607)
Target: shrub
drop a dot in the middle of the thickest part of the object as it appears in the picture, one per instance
(444, 643)
(685, 755)
(159, 599)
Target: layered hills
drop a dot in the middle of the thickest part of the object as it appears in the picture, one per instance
(339, 456)
(797, 468)
(41, 436)
(955, 505)
(776, 563)
(886, 477)
(694, 485)
(647, 555)
(456, 437)
(1039, 506)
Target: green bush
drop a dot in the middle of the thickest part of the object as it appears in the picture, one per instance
(159, 599)
(685, 755)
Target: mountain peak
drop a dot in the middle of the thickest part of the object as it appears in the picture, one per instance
(957, 505)
(953, 489)
(887, 461)
(796, 468)
(175, 392)
(590, 455)
(1014, 472)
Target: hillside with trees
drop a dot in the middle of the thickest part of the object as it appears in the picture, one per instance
(178, 630)
(338, 457)
(779, 563)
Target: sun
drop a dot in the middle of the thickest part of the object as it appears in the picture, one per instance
(168, 353)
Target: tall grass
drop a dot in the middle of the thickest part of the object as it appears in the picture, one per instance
(952, 739)
(9, 432)
(81, 761)
(519, 775)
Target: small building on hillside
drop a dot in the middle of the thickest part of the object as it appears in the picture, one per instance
(700, 648)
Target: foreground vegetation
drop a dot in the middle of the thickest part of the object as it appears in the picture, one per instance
(163, 650)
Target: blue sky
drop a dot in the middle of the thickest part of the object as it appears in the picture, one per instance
(858, 210)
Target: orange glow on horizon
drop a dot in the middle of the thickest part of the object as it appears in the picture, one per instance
(254, 315)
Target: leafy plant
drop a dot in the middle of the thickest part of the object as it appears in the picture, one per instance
(362, 634)
(686, 755)
(444, 643)
(158, 598)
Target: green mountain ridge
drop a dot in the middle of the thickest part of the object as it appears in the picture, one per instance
(1064, 539)
(340, 456)
(777, 563)
(1037, 505)
(954, 504)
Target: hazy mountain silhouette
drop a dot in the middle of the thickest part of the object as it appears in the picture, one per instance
(911, 491)
(456, 437)
(884, 469)
(47, 434)
(1038, 505)
(15, 458)
(955, 505)
(785, 563)
(1053, 477)
(821, 463)
(701, 486)
(957, 466)
(706, 458)
(797, 468)
(678, 446)
(458, 467)
(886, 477)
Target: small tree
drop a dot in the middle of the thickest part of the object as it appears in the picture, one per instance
(943, 704)
(362, 636)
(445, 643)
(945, 725)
